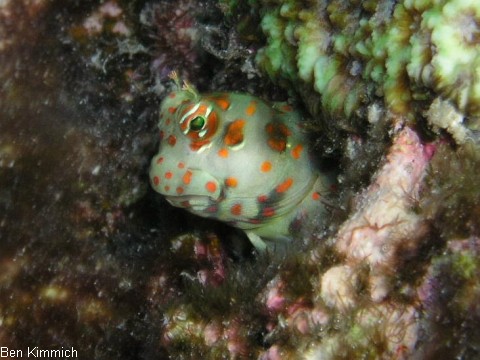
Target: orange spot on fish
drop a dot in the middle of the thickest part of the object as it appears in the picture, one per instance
(181, 165)
(187, 109)
(172, 140)
(196, 146)
(187, 177)
(236, 209)
(284, 186)
(266, 166)
(316, 196)
(167, 188)
(251, 108)
(221, 100)
(231, 182)
(211, 186)
(223, 103)
(172, 110)
(277, 127)
(160, 160)
(277, 136)
(234, 134)
(223, 153)
(156, 180)
(168, 175)
(168, 121)
(179, 190)
(297, 151)
(278, 145)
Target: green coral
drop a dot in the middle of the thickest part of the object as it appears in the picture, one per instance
(353, 53)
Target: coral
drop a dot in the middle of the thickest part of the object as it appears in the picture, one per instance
(384, 222)
(442, 115)
(449, 294)
(375, 332)
(353, 54)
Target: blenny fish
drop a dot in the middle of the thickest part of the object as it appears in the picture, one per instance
(238, 159)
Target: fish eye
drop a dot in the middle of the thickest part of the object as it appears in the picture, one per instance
(197, 123)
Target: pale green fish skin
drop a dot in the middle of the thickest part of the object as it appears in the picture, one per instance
(238, 159)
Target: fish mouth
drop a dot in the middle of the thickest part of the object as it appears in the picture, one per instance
(192, 202)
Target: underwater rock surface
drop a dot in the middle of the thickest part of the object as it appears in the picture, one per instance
(92, 258)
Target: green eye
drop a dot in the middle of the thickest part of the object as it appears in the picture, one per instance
(197, 123)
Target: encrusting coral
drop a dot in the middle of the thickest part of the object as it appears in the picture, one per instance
(355, 53)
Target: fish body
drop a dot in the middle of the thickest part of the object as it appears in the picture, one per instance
(238, 159)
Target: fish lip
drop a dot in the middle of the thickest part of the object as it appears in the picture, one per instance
(195, 202)
(180, 198)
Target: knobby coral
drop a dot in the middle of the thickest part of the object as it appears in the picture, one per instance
(352, 53)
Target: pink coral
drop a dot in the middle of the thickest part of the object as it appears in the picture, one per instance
(384, 222)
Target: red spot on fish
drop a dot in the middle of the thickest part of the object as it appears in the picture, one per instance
(211, 186)
(167, 188)
(160, 160)
(316, 196)
(262, 198)
(185, 204)
(156, 180)
(268, 212)
(236, 209)
(172, 140)
(161, 134)
(181, 165)
(179, 190)
(212, 209)
(168, 175)
(172, 110)
(284, 186)
(286, 108)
